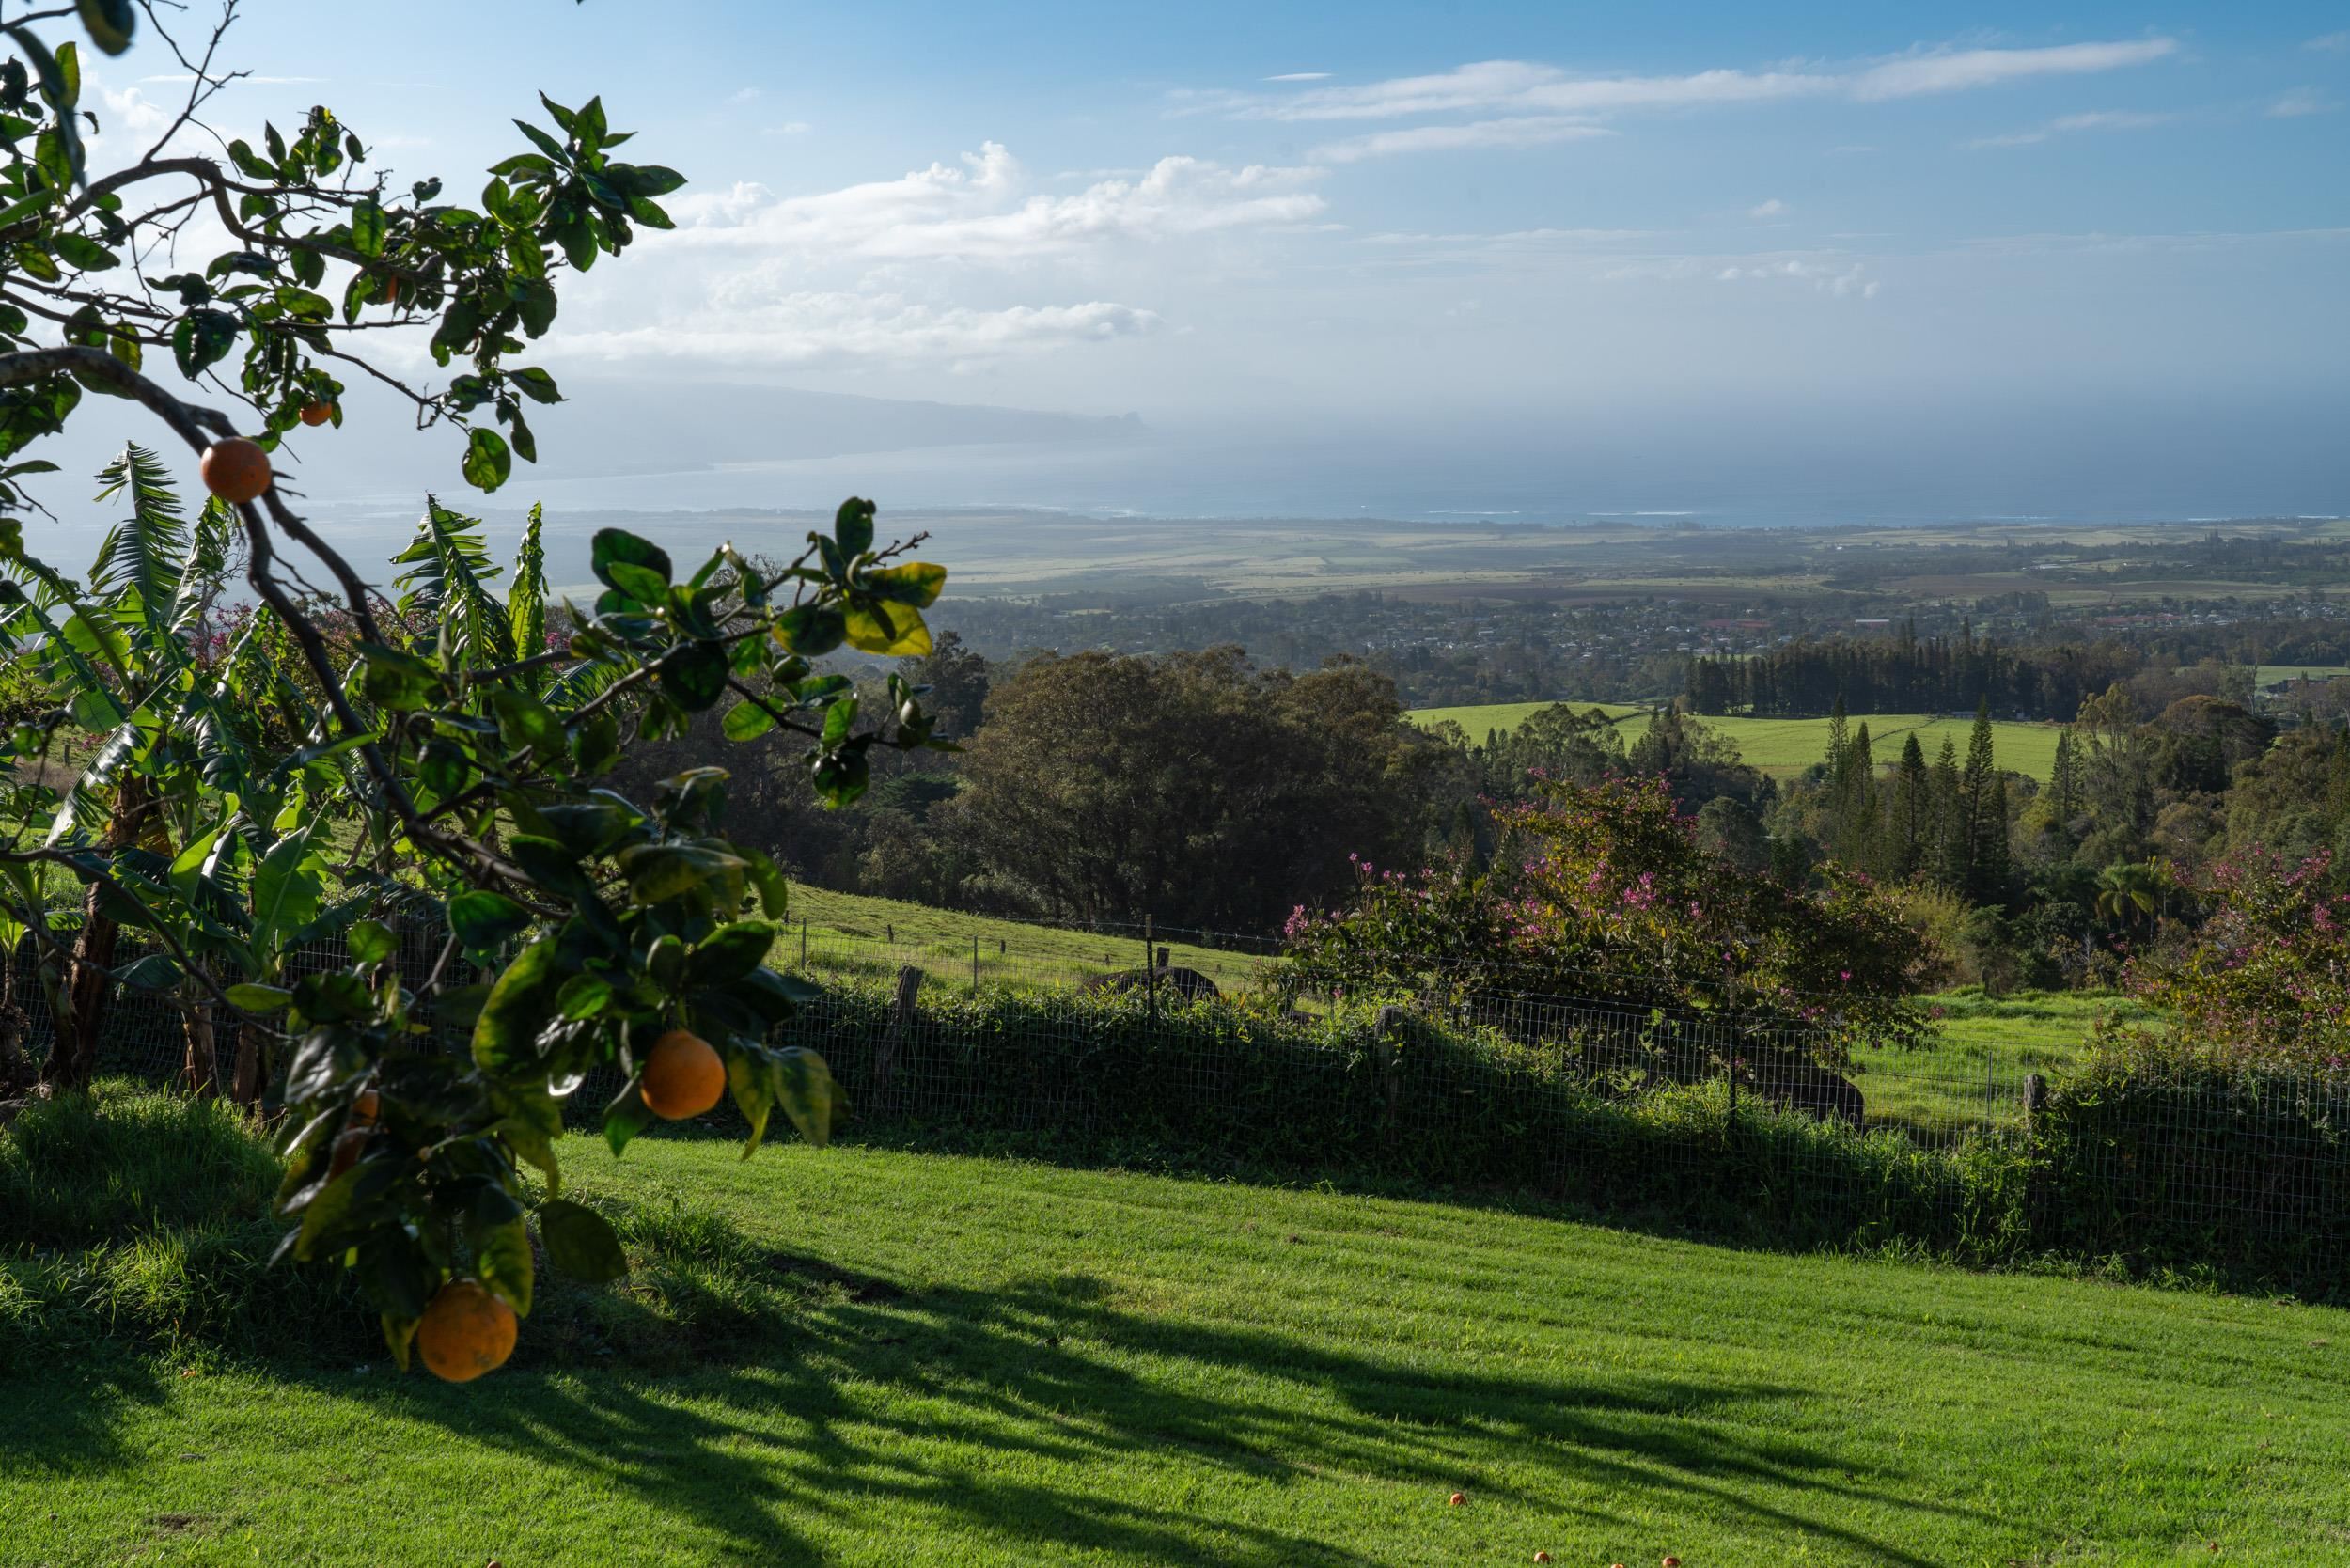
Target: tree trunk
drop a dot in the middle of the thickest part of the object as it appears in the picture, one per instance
(200, 1074)
(74, 1054)
(251, 1073)
(16, 1073)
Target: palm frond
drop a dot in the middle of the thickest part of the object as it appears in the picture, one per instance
(141, 563)
(449, 586)
(527, 606)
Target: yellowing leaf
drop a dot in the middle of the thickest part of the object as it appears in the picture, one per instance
(894, 630)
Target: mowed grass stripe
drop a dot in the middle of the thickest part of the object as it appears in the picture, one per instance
(1022, 1364)
(1783, 746)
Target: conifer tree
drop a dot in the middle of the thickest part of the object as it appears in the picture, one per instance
(1912, 833)
(1953, 849)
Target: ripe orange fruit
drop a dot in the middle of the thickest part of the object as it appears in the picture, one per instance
(316, 413)
(1455, 1500)
(465, 1332)
(1541, 1556)
(364, 1108)
(1672, 1562)
(235, 470)
(684, 1075)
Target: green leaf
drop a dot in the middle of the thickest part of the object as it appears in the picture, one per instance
(368, 228)
(694, 674)
(372, 942)
(109, 22)
(285, 890)
(853, 527)
(487, 460)
(201, 338)
(523, 721)
(581, 1242)
(640, 583)
(658, 872)
(501, 1257)
(259, 998)
(392, 678)
(915, 583)
(748, 720)
(627, 1115)
(482, 919)
(505, 1036)
(730, 953)
(808, 1094)
(536, 385)
(81, 251)
(811, 631)
(612, 546)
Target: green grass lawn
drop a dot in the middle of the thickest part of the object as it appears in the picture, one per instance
(1006, 1363)
(1790, 745)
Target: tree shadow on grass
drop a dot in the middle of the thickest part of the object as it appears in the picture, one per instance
(1045, 1415)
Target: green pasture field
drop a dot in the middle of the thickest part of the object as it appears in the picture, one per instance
(997, 1362)
(1783, 746)
(852, 932)
(1972, 1077)
(2269, 675)
(1974, 1072)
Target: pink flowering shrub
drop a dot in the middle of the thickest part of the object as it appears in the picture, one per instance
(2265, 981)
(1602, 893)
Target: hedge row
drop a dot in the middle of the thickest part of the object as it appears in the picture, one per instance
(2237, 1179)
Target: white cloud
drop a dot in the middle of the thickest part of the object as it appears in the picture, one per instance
(2298, 101)
(817, 328)
(1530, 87)
(939, 266)
(134, 111)
(1298, 76)
(1829, 273)
(976, 211)
(1960, 69)
(2329, 44)
(1523, 131)
(1838, 280)
(743, 95)
(789, 128)
(1771, 209)
(2095, 120)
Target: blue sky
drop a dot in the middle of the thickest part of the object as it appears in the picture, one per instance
(1475, 215)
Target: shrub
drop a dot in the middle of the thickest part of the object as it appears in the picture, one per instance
(138, 1218)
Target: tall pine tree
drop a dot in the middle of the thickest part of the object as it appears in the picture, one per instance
(1911, 836)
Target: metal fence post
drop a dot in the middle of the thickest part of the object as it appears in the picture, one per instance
(1150, 973)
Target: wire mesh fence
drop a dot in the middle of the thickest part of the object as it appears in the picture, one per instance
(1099, 1047)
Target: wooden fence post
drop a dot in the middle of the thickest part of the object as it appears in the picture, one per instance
(901, 1025)
(1150, 973)
(1383, 1029)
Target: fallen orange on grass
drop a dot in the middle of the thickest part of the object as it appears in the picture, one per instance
(1455, 1500)
(465, 1332)
(235, 470)
(684, 1075)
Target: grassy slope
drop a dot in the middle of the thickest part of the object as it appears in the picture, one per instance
(852, 930)
(1988, 1045)
(1028, 1365)
(1790, 745)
